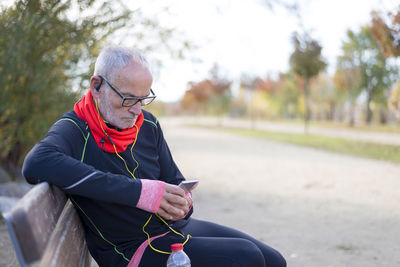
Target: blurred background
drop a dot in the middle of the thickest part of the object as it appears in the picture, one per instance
(295, 78)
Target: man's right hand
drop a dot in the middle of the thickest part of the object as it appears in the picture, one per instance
(174, 204)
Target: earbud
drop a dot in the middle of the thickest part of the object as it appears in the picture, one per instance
(97, 87)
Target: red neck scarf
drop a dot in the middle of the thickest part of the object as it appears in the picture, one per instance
(87, 111)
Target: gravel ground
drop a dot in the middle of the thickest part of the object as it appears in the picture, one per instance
(317, 208)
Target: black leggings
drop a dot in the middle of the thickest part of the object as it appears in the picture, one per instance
(215, 245)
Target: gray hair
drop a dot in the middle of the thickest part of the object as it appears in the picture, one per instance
(113, 58)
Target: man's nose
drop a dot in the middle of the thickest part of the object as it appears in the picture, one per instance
(136, 109)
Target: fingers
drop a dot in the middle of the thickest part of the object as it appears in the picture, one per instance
(175, 203)
(175, 200)
(189, 200)
(164, 214)
(174, 189)
(169, 211)
(175, 195)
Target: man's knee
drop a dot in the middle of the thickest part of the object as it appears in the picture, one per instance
(275, 259)
(250, 255)
(256, 258)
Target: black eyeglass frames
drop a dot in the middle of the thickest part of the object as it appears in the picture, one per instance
(130, 101)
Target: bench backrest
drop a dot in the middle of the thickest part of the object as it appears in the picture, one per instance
(46, 230)
(32, 220)
(67, 245)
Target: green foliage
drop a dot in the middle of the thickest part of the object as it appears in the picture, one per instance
(348, 73)
(347, 77)
(40, 51)
(277, 99)
(219, 102)
(323, 96)
(306, 60)
(288, 97)
(371, 72)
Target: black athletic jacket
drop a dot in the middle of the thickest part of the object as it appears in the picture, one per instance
(98, 183)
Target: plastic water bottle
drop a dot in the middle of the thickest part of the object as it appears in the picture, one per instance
(178, 258)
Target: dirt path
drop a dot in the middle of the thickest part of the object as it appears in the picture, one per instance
(317, 208)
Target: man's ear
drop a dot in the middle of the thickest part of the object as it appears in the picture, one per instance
(95, 82)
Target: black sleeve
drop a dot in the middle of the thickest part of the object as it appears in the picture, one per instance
(169, 172)
(52, 160)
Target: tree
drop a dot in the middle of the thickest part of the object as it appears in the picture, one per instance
(387, 35)
(306, 61)
(248, 85)
(394, 100)
(361, 55)
(347, 78)
(288, 95)
(196, 96)
(211, 95)
(47, 52)
(39, 49)
(323, 97)
(219, 103)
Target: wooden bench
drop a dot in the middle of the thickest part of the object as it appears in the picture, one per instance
(46, 230)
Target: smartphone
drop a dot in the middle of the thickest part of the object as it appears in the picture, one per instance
(188, 185)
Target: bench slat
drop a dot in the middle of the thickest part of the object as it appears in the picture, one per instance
(67, 245)
(32, 220)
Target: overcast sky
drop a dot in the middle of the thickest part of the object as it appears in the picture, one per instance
(247, 37)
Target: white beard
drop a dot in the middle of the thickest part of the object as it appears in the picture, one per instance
(108, 115)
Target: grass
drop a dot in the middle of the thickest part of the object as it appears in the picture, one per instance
(360, 126)
(388, 128)
(339, 145)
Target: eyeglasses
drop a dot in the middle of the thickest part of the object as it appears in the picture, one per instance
(130, 101)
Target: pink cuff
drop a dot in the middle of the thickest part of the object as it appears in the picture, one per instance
(151, 195)
(191, 205)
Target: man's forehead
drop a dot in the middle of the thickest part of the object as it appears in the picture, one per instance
(133, 72)
(133, 81)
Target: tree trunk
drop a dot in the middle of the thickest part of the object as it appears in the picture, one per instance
(331, 111)
(351, 119)
(306, 106)
(368, 115)
(383, 116)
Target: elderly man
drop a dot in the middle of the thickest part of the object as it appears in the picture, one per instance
(110, 157)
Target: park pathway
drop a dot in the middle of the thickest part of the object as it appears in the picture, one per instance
(318, 208)
(390, 138)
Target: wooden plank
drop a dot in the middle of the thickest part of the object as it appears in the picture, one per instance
(67, 245)
(33, 219)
